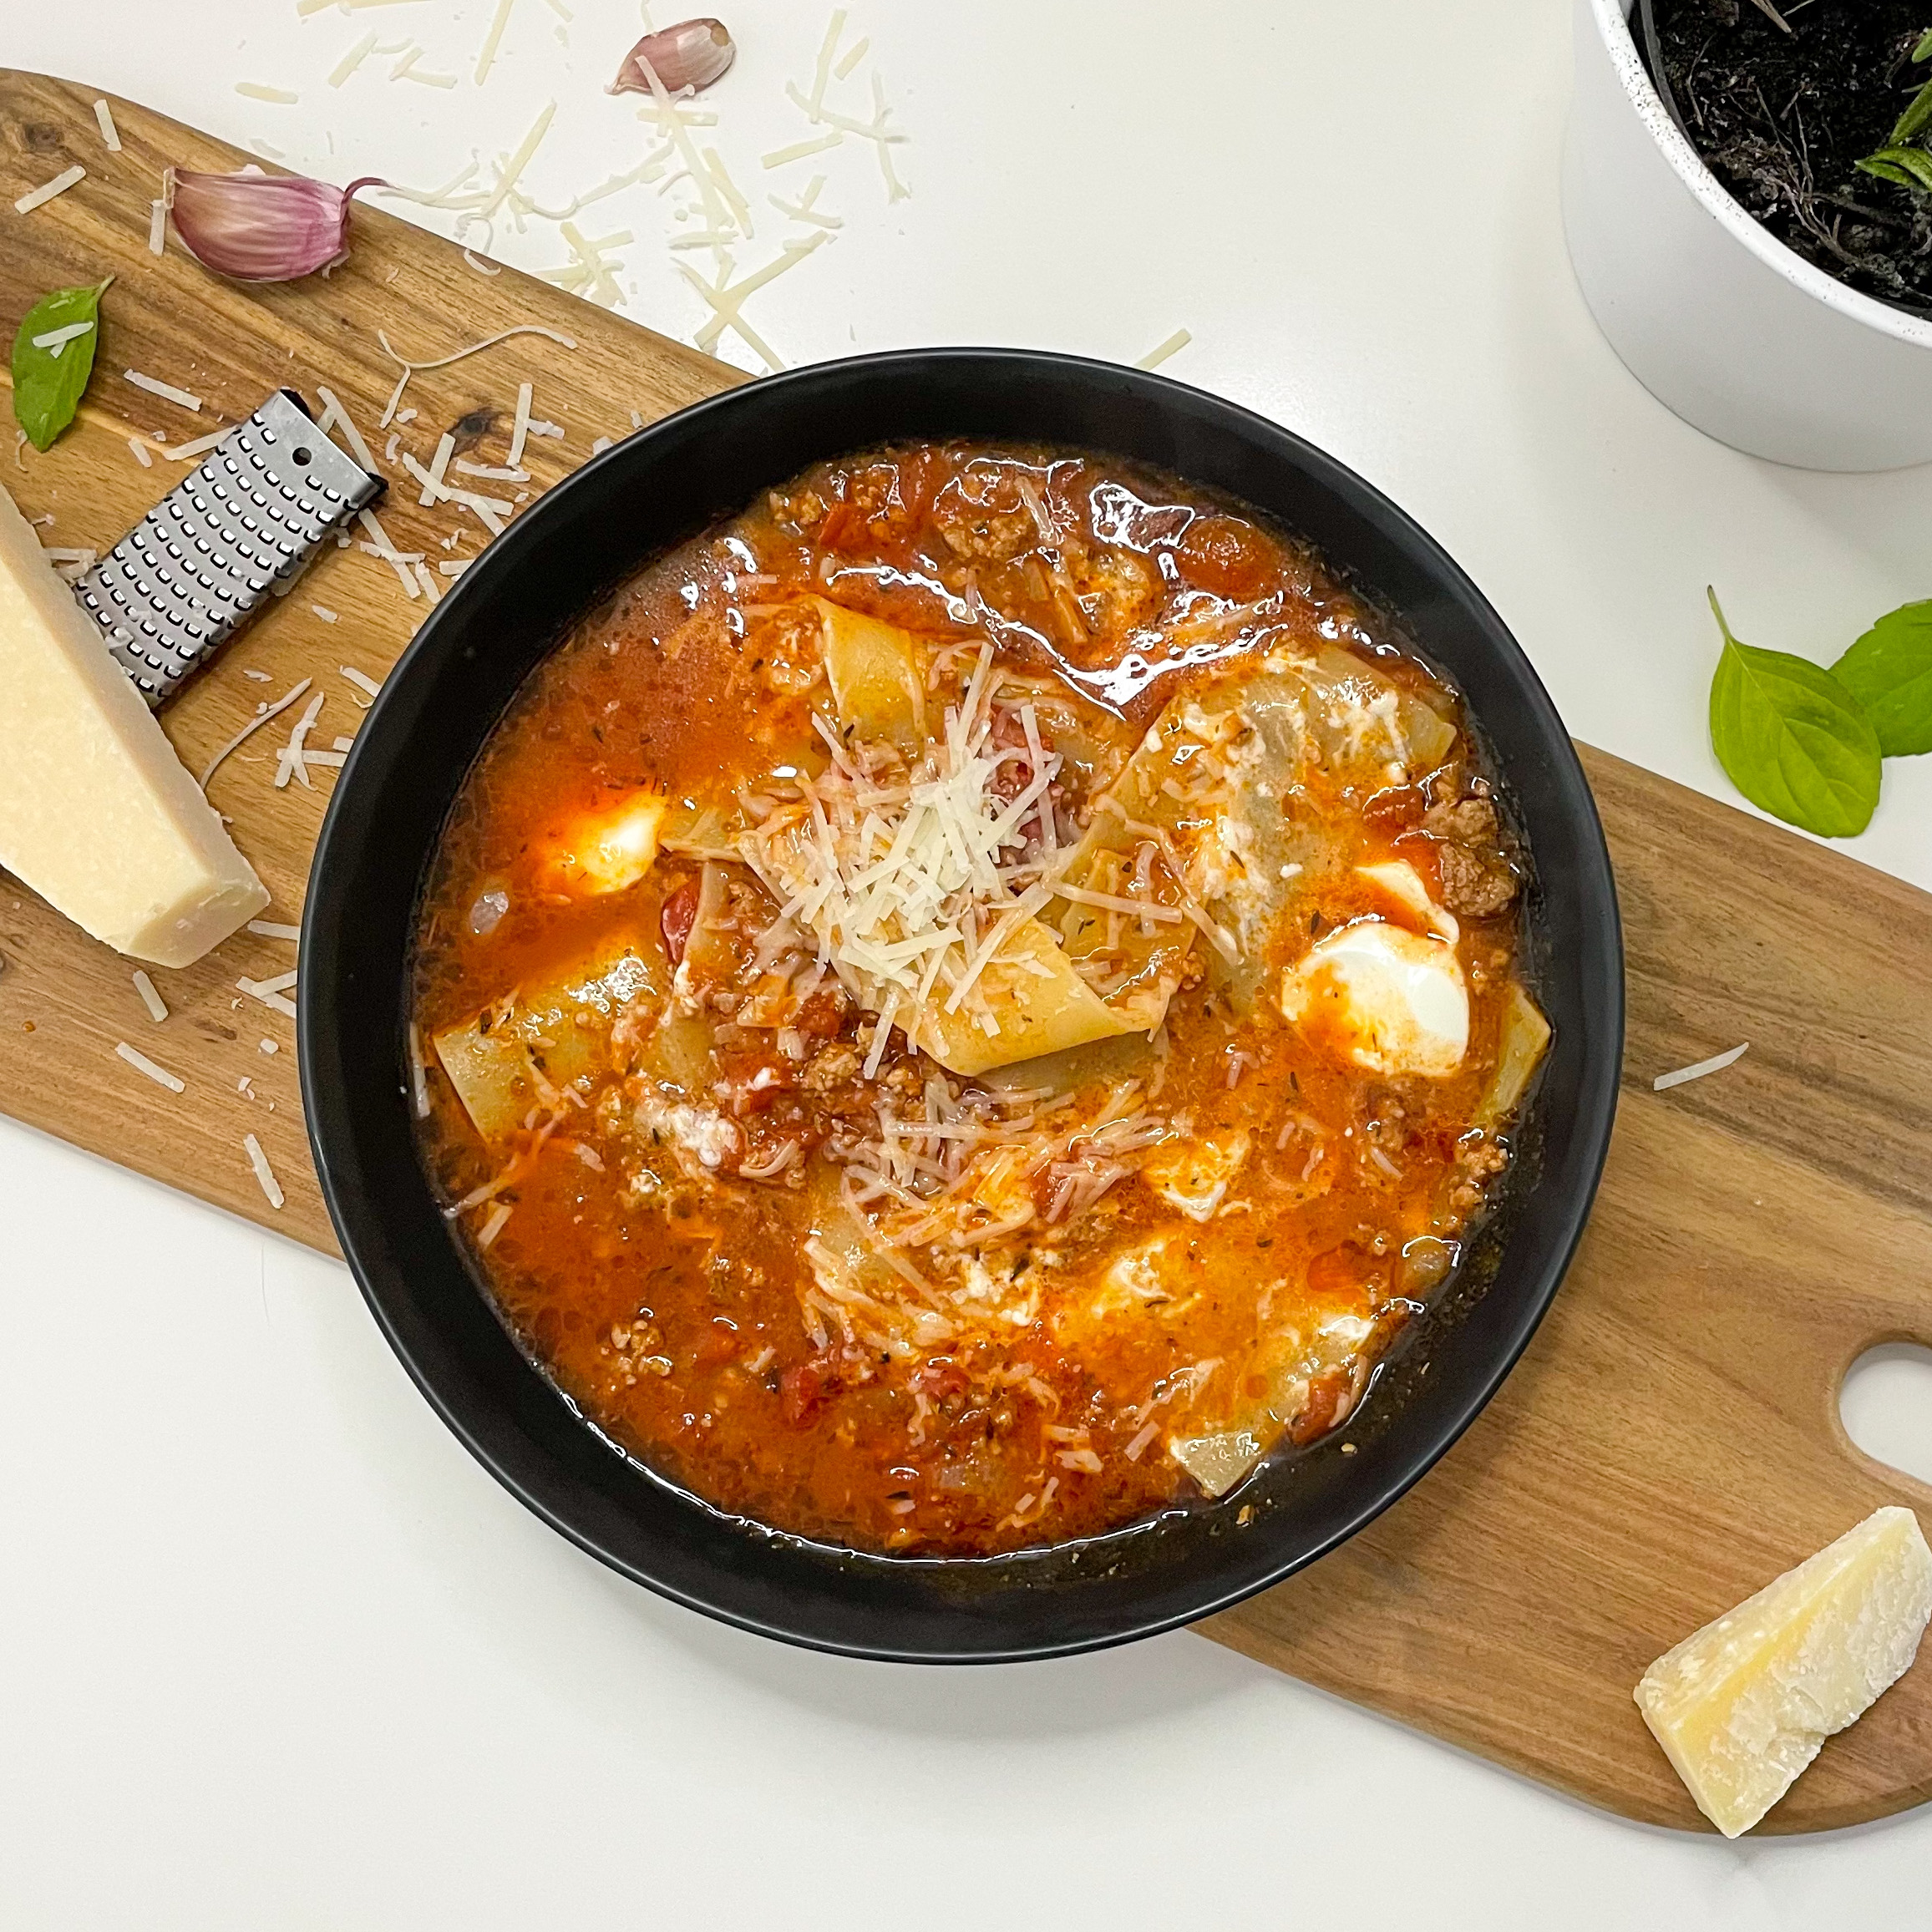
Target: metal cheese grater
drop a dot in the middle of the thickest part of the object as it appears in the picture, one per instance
(240, 529)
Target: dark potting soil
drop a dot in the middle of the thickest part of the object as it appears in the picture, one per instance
(1782, 117)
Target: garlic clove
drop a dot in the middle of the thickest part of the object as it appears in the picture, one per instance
(257, 227)
(692, 54)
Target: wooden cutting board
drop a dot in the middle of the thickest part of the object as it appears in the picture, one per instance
(1672, 1440)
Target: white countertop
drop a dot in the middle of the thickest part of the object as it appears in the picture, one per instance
(276, 1653)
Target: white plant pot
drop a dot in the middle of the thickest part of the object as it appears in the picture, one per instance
(1714, 316)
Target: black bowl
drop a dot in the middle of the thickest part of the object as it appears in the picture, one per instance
(435, 712)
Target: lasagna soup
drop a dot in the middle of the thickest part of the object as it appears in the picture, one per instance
(966, 1006)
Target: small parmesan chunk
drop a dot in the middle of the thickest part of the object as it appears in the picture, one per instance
(97, 813)
(1742, 1706)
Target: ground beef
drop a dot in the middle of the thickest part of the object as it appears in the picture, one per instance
(979, 532)
(1474, 887)
(833, 1066)
(1477, 1162)
(1470, 821)
(1478, 879)
(803, 511)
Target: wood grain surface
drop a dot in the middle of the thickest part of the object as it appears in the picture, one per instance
(1671, 1441)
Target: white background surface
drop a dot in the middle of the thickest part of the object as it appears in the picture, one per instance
(275, 1653)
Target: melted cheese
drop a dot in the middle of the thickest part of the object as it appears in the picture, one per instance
(1742, 1706)
(1392, 1001)
(1403, 884)
(607, 851)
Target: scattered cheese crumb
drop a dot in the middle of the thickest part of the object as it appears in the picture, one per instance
(40, 196)
(520, 429)
(253, 725)
(187, 452)
(135, 1058)
(1715, 1064)
(157, 226)
(55, 340)
(109, 132)
(256, 90)
(269, 992)
(263, 1172)
(1159, 353)
(439, 465)
(388, 551)
(493, 39)
(292, 761)
(779, 157)
(156, 1006)
(140, 453)
(335, 413)
(325, 613)
(166, 391)
(270, 1047)
(352, 59)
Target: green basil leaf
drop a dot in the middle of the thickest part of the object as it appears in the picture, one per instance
(1923, 51)
(1909, 167)
(48, 382)
(1878, 166)
(1918, 113)
(1793, 739)
(1889, 671)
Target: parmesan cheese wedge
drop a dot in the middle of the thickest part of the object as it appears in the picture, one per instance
(1742, 1706)
(97, 813)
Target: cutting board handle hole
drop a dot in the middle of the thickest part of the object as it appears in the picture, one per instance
(1886, 1404)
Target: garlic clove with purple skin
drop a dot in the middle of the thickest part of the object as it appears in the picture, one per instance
(692, 54)
(257, 227)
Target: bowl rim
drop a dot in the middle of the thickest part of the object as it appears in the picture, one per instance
(1595, 1103)
(1613, 27)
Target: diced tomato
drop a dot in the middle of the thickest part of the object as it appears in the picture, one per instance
(718, 1343)
(802, 1390)
(944, 1381)
(843, 529)
(1399, 809)
(821, 1017)
(1327, 1404)
(1339, 1272)
(680, 912)
(1225, 556)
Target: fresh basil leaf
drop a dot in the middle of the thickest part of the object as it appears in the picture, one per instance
(48, 382)
(1923, 51)
(1889, 671)
(1793, 739)
(1878, 166)
(1909, 167)
(1917, 115)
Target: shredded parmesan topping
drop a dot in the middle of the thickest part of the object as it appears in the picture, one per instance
(912, 879)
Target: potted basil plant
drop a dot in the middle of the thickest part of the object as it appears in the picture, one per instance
(1751, 225)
